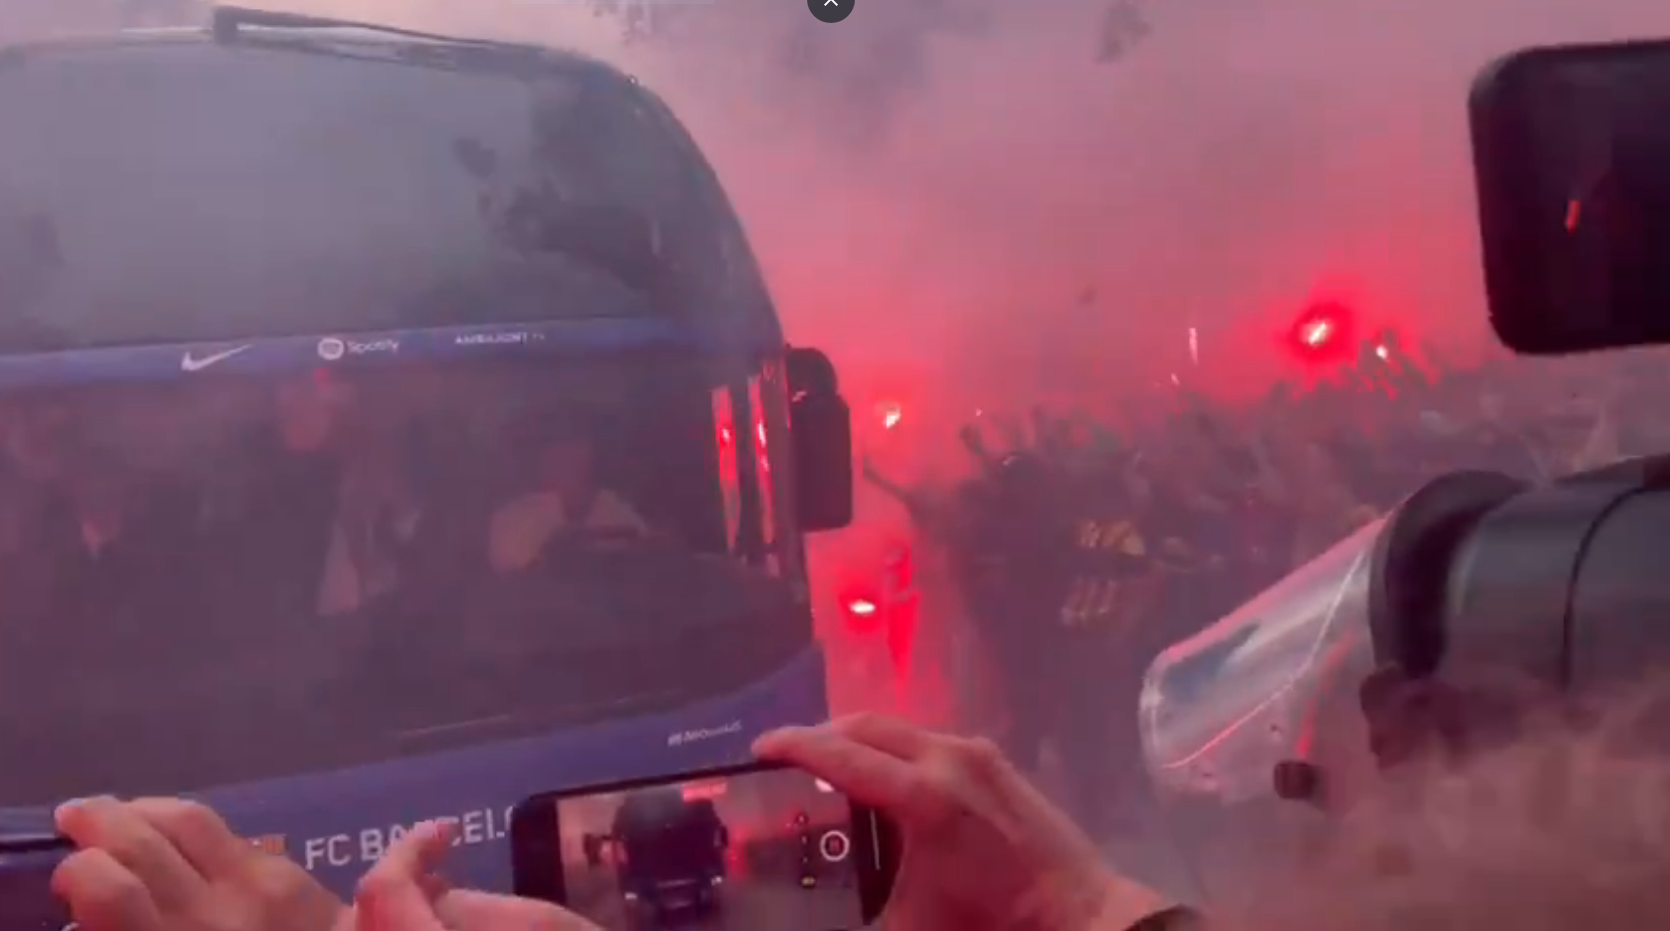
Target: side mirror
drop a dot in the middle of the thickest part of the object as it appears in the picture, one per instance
(821, 424)
(810, 372)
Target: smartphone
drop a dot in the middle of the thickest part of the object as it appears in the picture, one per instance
(26, 899)
(749, 847)
(1571, 151)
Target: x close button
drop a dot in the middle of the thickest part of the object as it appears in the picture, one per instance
(830, 11)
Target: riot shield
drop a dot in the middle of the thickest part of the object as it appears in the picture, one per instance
(1268, 692)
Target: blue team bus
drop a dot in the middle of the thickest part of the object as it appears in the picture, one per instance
(391, 427)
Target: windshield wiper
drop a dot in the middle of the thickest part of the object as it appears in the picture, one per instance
(234, 24)
(229, 21)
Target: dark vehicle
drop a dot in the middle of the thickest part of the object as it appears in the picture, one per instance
(674, 852)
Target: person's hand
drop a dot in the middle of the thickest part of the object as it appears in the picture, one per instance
(982, 849)
(161, 864)
(403, 892)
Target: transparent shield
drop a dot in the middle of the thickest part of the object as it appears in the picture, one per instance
(1274, 681)
(1221, 708)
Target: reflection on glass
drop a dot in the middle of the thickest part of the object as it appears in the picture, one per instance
(304, 556)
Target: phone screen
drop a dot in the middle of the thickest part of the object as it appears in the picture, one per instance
(26, 899)
(764, 849)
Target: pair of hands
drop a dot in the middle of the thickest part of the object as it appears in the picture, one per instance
(982, 850)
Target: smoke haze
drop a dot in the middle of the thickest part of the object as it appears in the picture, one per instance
(954, 188)
(960, 203)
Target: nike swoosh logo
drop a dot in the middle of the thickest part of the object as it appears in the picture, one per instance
(191, 363)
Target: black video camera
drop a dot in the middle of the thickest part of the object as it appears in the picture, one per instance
(1572, 162)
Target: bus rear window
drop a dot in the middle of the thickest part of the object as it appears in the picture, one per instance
(189, 191)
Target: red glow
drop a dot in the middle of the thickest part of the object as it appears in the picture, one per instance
(901, 635)
(701, 791)
(890, 413)
(900, 572)
(900, 586)
(1317, 333)
(1324, 332)
(864, 611)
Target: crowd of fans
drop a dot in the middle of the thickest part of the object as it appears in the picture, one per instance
(1074, 551)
